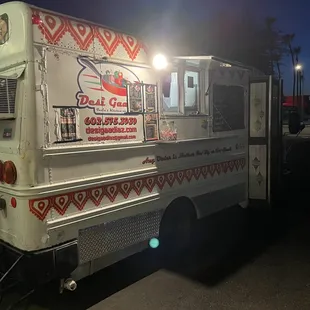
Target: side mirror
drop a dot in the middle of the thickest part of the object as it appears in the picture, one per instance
(294, 123)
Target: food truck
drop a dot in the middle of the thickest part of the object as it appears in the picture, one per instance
(106, 145)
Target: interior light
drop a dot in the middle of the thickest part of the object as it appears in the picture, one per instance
(160, 62)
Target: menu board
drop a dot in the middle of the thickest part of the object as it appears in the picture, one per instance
(150, 97)
(151, 127)
(134, 98)
(228, 108)
(142, 99)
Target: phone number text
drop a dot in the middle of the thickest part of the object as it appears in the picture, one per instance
(110, 121)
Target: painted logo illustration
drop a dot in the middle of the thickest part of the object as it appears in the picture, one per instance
(103, 86)
(4, 28)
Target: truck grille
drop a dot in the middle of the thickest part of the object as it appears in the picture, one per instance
(7, 95)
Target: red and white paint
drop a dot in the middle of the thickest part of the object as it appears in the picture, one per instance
(94, 196)
(80, 35)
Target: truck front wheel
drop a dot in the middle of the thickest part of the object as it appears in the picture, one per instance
(176, 229)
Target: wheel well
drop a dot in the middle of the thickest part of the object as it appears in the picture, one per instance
(175, 230)
(183, 204)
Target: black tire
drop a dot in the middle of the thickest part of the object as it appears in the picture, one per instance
(176, 230)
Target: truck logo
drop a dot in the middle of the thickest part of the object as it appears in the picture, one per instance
(4, 28)
(103, 86)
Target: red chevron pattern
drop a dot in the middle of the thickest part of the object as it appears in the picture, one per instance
(56, 28)
(53, 28)
(82, 34)
(41, 207)
(108, 39)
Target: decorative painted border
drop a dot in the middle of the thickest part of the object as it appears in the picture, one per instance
(53, 27)
(42, 206)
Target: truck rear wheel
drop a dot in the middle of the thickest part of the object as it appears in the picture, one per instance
(176, 229)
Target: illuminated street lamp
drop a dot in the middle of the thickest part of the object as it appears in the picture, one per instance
(298, 67)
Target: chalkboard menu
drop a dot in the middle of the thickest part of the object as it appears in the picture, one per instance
(228, 108)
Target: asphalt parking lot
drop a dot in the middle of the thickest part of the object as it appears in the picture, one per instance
(239, 260)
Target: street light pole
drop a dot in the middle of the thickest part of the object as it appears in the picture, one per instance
(302, 95)
(297, 92)
(298, 69)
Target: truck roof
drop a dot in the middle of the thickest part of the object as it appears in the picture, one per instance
(215, 58)
(78, 34)
(80, 20)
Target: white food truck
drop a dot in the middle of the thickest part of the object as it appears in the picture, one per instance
(101, 152)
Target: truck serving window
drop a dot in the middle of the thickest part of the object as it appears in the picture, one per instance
(191, 89)
(170, 89)
(228, 108)
(181, 89)
(7, 96)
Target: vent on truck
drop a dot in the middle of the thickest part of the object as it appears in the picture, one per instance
(7, 95)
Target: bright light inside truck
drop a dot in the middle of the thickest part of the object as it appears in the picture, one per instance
(154, 243)
(160, 62)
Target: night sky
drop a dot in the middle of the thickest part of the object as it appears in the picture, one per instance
(291, 16)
